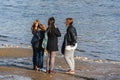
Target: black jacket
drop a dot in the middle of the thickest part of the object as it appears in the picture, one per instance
(71, 35)
(70, 38)
(52, 44)
(37, 39)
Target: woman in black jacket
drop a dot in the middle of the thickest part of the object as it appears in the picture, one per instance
(69, 45)
(38, 31)
(52, 45)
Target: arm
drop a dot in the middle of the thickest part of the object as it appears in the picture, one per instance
(57, 32)
(73, 35)
(44, 27)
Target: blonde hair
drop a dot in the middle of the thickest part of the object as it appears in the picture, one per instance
(43, 27)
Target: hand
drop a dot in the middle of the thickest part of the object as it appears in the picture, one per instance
(43, 27)
(55, 26)
(72, 45)
(36, 28)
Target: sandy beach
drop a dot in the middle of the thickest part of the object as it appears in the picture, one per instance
(97, 22)
(10, 67)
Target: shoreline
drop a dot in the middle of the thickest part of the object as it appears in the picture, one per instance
(28, 53)
(17, 61)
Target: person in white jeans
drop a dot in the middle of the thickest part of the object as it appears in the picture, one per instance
(69, 57)
(69, 45)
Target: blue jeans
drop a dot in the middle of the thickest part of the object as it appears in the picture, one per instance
(38, 57)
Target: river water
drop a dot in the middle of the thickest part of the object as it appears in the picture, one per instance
(97, 23)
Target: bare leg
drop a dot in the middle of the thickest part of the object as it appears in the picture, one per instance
(48, 62)
(52, 60)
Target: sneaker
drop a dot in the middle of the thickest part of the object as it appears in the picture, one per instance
(43, 70)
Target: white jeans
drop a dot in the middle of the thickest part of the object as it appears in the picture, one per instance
(69, 57)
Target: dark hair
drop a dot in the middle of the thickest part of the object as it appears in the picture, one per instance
(51, 23)
(71, 20)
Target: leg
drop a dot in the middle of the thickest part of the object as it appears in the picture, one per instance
(37, 60)
(34, 56)
(41, 57)
(52, 60)
(48, 63)
(72, 60)
(69, 57)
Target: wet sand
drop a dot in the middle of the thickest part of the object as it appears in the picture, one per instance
(85, 69)
(15, 52)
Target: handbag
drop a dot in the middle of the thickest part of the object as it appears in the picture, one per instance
(45, 40)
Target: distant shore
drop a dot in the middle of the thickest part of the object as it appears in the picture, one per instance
(85, 70)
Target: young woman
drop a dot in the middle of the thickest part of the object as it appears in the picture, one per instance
(38, 31)
(69, 45)
(52, 45)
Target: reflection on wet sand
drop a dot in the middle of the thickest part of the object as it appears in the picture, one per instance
(18, 62)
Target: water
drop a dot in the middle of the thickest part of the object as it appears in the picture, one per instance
(17, 62)
(13, 77)
(97, 23)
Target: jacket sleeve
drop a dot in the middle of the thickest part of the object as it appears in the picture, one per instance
(73, 35)
(57, 32)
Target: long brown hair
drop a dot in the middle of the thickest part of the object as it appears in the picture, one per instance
(51, 24)
(33, 25)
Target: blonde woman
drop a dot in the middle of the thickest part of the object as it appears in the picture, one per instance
(38, 31)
